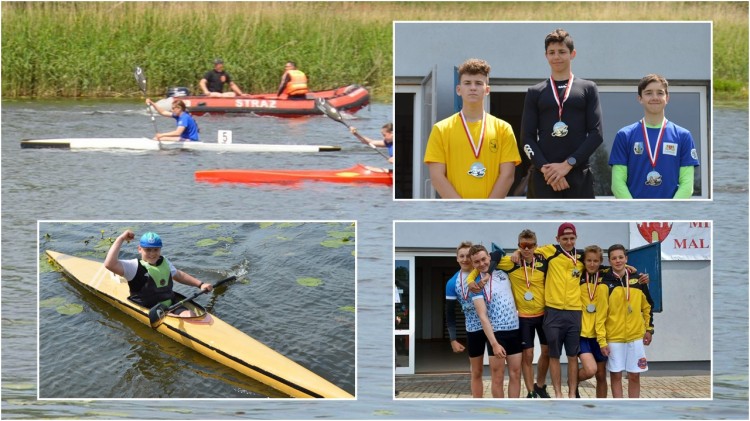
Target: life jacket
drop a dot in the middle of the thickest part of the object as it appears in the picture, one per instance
(297, 84)
(152, 284)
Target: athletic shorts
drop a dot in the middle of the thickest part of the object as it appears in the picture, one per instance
(510, 340)
(591, 346)
(562, 327)
(528, 326)
(628, 356)
(477, 342)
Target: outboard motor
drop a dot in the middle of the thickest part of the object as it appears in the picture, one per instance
(177, 91)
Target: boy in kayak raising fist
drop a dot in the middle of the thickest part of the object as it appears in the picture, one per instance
(150, 277)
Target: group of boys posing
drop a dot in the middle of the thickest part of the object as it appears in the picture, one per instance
(602, 315)
(472, 155)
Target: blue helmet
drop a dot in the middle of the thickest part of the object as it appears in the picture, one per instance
(151, 240)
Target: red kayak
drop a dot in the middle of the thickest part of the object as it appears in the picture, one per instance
(356, 174)
(350, 98)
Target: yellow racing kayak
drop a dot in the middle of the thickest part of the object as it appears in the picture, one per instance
(205, 333)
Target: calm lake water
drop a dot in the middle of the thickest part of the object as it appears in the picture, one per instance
(105, 186)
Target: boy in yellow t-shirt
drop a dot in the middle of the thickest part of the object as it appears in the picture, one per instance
(472, 154)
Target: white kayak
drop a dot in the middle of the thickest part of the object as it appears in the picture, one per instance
(146, 144)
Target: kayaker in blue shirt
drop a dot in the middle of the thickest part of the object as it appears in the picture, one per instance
(150, 277)
(387, 132)
(187, 128)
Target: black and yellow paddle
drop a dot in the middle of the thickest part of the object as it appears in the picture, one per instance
(140, 78)
(330, 111)
(159, 312)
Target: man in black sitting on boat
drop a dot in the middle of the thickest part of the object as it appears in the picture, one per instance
(150, 277)
(293, 83)
(214, 80)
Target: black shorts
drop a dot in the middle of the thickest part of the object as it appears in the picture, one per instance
(562, 327)
(581, 181)
(510, 340)
(528, 327)
(477, 342)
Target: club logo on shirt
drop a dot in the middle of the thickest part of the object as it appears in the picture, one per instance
(638, 148)
(693, 154)
(670, 149)
(528, 151)
(493, 145)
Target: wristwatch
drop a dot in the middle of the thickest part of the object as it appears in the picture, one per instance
(571, 161)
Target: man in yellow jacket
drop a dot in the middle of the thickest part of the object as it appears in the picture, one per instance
(629, 324)
(562, 300)
(293, 82)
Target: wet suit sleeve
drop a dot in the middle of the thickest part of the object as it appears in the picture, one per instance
(450, 318)
(529, 125)
(619, 182)
(685, 189)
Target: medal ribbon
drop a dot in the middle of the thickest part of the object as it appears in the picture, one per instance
(461, 283)
(526, 275)
(653, 156)
(557, 96)
(573, 258)
(596, 279)
(476, 148)
(627, 285)
(484, 290)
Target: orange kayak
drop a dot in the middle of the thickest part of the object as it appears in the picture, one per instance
(356, 174)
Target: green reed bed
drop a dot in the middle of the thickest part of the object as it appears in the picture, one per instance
(77, 49)
(89, 49)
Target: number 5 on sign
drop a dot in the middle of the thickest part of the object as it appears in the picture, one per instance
(225, 137)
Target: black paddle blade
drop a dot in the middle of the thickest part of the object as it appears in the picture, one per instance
(140, 77)
(329, 110)
(157, 314)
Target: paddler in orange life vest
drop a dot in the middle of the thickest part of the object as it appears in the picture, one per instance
(293, 82)
(150, 277)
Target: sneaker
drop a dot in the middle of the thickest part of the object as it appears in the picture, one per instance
(578, 395)
(532, 395)
(541, 391)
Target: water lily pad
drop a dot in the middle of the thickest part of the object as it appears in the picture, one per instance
(213, 226)
(206, 242)
(52, 302)
(288, 224)
(107, 414)
(47, 266)
(229, 240)
(177, 410)
(281, 238)
(349, 309)
(341, 234)
(221, 252)
(354, 253)
(336, 243)
(264, 225)
(309, 282)
(244, 281)
(69, 309)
